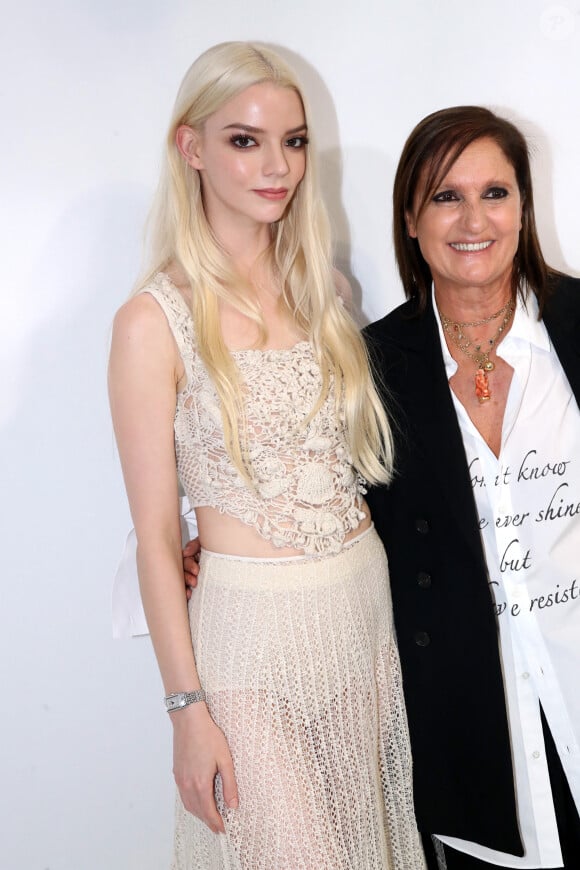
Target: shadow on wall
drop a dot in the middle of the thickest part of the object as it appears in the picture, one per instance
(368, 258)
(372, 255)
(543, 179)
(325, 137)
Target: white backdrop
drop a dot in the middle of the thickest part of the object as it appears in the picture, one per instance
(86, 88)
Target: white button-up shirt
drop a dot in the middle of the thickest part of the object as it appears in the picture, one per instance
(528, 502)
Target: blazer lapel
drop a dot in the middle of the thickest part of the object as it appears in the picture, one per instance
(429, 406)
(563, 327)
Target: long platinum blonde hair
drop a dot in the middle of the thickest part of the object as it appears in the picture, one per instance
(300, 255)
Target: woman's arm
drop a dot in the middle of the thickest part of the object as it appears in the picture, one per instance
(144, 371)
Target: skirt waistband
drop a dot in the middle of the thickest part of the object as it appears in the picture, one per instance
(268, 560)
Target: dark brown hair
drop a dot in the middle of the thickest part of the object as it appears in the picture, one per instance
(429, 152)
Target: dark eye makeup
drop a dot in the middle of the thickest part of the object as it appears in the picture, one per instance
(495, 192)
(445, 196)
(242, 140)
(297, 141)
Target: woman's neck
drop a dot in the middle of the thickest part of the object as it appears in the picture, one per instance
(244, 241)
(463, 304)
(249, 261)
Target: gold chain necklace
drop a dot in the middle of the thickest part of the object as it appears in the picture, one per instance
(454, 329)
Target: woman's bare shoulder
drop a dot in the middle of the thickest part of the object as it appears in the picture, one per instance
(142, 337)
(141, 316)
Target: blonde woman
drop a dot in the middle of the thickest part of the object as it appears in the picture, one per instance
(236, 372)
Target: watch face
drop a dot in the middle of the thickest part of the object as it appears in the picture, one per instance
(183, 699)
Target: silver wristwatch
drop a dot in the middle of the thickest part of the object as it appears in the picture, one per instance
(183, 699)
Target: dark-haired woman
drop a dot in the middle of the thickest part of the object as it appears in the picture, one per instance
(482, 521)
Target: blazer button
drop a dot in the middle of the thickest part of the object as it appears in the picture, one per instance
(422, 526)
(422, 638)
(423, 579)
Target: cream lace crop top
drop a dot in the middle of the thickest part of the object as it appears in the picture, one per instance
(306, 493)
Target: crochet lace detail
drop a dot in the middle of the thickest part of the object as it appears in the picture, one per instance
(306, 493)
(300, 666)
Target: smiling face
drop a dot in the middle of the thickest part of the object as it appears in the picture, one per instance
(251, 157)
(468, 230)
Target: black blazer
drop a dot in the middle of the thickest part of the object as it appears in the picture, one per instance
(446, 627)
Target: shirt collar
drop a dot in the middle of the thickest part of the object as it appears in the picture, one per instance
(525, 328)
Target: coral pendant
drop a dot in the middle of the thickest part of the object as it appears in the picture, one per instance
(482, 386)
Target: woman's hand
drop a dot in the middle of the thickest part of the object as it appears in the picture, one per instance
(200, 751)
(191, 564)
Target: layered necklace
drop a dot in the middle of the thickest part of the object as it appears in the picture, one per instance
(479, 353)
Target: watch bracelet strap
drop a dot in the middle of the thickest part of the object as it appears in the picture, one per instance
(178, 700)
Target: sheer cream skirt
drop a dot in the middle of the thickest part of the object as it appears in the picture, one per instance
(299, 662)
